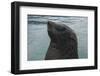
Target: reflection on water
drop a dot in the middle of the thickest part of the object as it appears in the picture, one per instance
(38, 39)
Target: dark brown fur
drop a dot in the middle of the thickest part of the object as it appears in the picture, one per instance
(63, 43)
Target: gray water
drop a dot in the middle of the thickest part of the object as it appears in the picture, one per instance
(38, 39)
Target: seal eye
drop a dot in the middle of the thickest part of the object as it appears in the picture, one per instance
(60, 29)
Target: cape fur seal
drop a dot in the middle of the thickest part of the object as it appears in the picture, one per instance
(63, 43)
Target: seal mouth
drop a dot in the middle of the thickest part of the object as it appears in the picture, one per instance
(52, 31)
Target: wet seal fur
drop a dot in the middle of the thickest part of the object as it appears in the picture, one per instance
(63, 43)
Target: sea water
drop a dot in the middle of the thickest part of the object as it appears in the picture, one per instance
(38, 39)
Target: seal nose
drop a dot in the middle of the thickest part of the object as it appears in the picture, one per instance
(50, 25)
(51, 22)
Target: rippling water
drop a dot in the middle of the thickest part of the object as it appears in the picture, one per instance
(38, 39)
